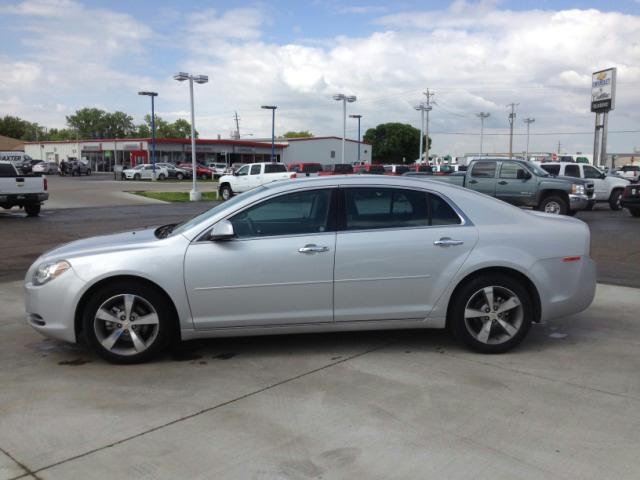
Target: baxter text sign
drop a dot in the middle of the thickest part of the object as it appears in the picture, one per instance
(603, 90)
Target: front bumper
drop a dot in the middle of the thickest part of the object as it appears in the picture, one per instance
(50, 308)
(578, 202)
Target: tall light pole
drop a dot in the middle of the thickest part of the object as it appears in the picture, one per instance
(528, 121)
(482, 116)
(358, 117)
(273, 129)
(194, 195)
(421, 108)
(153, 95)
(512, 119)
(341, 97)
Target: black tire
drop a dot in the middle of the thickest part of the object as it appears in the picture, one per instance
(88, 172)
(591, 205)
(635, 212)
(614, 199)
(161, 177)
(32, 209)
(466, 329)
(554, 204)
(225, 192)
(180, 176)
(123, 350)
(136, 176)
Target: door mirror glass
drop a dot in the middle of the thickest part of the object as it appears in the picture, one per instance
(223, 230)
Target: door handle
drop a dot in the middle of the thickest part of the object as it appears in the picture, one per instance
(502, 182)
(447, 242)
(473, 181)
(312, 248)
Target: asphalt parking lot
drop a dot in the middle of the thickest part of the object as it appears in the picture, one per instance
(410, 404)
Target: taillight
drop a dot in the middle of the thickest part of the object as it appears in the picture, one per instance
(45, 184)
(571, 259)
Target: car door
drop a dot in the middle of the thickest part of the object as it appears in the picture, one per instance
(515, 184)
(601, 186)
(241, 183)
(255, 176)
(278, 270)
(482, 177)
(396, 251)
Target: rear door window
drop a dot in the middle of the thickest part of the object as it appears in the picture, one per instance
(551, 169)
(376, 208)
(274, 168)
(484, 170)
(572, 171)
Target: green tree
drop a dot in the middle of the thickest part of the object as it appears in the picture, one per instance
(13, 127)
(118, 124)
(300, 134)
(393, 142)
(88, 122)
(178, 129)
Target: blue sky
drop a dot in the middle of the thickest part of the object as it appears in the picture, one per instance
(477, 55)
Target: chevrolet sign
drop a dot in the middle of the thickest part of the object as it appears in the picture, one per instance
(603, 89)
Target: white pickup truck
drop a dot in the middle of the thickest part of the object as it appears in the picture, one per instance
(20, 191)
(607, 188)
(251, 176)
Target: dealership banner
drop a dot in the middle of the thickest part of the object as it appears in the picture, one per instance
(603, 90)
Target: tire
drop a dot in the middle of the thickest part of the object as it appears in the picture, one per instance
(180, 176)
(161, 177)
(112, 337)
(136, 176)
(553, 204)
(204, 176)
(88, 172)
(591, 205)
(471, 300)
(32, 209)
(225, 192)
(614, 199)
(635, 212)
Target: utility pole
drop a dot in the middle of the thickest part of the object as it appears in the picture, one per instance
(482, 116)
(528, 121)
(428, 108)
(512, 119)
(421, 108)
(559, 144)
(235, 117)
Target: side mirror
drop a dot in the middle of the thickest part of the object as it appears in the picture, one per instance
(221, 231)
(603, 175)
(523, 175)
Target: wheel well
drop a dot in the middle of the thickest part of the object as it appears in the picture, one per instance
(561, 193)
(120, 278)
(516, 275)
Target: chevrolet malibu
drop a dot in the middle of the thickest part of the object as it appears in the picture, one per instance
(321, 254)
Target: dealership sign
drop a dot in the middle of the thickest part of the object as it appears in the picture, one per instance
(603, 90)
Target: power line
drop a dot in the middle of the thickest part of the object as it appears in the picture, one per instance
(537, 133)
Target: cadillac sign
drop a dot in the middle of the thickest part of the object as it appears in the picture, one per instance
(603, 90)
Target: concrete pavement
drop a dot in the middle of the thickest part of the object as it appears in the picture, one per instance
(413, 404)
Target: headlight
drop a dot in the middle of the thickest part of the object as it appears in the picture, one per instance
(577, 189)
(49, 271)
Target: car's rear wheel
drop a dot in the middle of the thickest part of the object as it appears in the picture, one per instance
(553, 204)
(226, 193)
(32, 209)
(491, 313)
(161, 176)
(614, 199)
(180, 176)
(127, 322)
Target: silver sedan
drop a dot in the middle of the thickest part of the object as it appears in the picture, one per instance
(317, 255)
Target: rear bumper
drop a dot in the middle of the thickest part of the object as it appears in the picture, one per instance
(23, 199)
(578, 202)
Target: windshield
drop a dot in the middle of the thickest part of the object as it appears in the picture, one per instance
(204, 216)
(537, 170)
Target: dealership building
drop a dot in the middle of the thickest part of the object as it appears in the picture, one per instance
(103, 155)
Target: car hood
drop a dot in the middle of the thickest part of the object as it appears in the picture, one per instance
(125, 241)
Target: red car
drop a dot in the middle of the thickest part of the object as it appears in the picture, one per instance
(372, 168)
(308, 169)
(337, 169)
(202, 172)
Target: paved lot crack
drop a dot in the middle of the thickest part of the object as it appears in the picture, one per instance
(206, 410)
(28, 472)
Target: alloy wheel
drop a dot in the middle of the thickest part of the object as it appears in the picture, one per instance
(493, 315)
(552, 207)
(126, 324)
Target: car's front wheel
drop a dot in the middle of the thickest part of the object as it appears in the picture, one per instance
(127, 322)
(226, 193)
(180, 176)
(161, 177)
(136, 176)
(615, 198)
(554, 205)
(491, 313)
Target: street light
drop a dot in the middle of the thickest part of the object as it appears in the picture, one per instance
(194, 195)
(153, 95)
(528, 121)
(341, 97)
(423, 107)
(358, 117)
(482, 116)
(273, 129)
